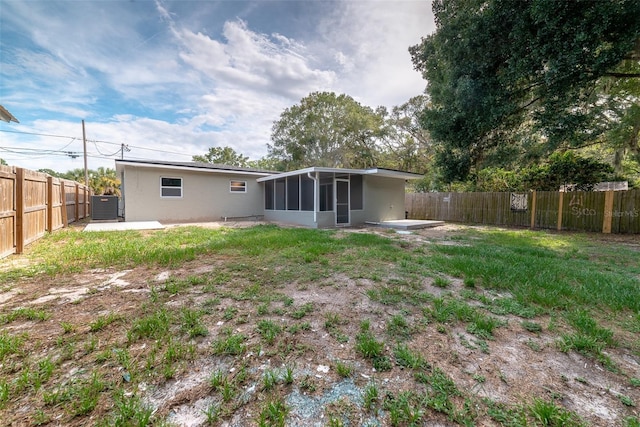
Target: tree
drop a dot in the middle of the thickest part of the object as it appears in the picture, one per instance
(407, 145)
(266, 163)
(104, 181)
(223, 156)
(51, 172)
(76, 174)
(101, 181)
(329, 130)
(500, 70)
(567, 169)
(3, 162)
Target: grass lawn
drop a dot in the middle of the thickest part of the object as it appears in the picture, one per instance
(273, 326)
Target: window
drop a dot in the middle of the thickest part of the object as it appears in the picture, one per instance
(306, 190)
(238, 186)
(281, 194)
(268, 195)
(326, 192)
(170, 187)
(293, 193)
(326, 197)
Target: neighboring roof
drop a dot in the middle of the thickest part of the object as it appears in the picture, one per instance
(389, 173)
(204, 167)
(6, 116)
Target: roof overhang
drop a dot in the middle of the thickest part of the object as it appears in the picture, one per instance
(388, 173)
(204, 168)
(6, 116)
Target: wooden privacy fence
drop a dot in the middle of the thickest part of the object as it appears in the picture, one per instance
(598, 211)
(32, 203)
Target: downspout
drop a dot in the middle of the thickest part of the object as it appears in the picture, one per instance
(315, 196)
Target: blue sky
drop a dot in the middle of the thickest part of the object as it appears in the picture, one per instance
(172, 78)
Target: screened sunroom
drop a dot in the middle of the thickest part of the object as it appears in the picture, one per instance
(328, 197)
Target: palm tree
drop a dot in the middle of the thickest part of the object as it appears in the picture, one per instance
(104, 181)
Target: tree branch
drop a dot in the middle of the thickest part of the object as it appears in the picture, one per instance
(623, 75)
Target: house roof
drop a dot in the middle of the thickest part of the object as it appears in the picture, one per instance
(264, 174)
(389, 173)
(6, 116)
(204, 167)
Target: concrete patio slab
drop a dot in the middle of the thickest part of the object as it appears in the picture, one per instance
(410, 224)
(121, 226)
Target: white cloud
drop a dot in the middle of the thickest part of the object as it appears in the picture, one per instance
(275, 65)
(199, 85)
(370, 40)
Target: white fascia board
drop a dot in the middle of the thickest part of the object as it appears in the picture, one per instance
(286, 174)
(393, 174)
(188, 168)
(373, 171)
(312, 169)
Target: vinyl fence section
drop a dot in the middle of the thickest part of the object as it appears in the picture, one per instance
(597, 211)
(33, 203)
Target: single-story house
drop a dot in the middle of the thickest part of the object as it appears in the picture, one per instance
(316, 197)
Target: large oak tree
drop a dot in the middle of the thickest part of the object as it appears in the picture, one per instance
(329, 130)
(516, 80)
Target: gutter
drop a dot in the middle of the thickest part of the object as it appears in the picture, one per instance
(315, 196)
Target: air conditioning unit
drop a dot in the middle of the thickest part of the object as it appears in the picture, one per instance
(104, 208)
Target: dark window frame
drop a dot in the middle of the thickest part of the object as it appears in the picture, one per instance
(167, 183)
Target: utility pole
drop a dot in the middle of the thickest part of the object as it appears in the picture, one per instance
(123, 148)
(84, 142)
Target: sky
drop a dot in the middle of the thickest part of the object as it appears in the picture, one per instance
(170, 79)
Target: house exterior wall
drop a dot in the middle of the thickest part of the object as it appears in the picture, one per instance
(326, 219)
(383, 199)
(205, 195)
(304, 218)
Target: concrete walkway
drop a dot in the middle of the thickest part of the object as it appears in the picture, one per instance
(120, 226)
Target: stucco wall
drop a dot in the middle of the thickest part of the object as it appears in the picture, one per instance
(383, 198)
(205, 196)
(290, 217)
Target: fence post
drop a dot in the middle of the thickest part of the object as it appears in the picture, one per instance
(19, 210)
(608, 212)
(77, 202)
(560, 207)
(533, 209)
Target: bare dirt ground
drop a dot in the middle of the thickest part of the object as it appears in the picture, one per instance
(516, 366)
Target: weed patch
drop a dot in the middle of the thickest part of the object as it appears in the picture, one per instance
(118, 366)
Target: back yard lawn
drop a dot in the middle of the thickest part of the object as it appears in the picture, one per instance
(279, 326)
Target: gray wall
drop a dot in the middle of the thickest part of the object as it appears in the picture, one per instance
(383, 198)
(205, 196)
(290, 217)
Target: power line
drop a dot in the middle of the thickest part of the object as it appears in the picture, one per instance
(37, 134)
(38, 151)
(97, 141)
(101, 153)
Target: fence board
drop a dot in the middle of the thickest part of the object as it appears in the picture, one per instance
(626, 212)
(70, 197)
(34, 193)
(581, 210)
(56, 206)
(7, 210)
(32, 203)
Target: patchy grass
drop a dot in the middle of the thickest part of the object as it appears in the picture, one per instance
(268, 323)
